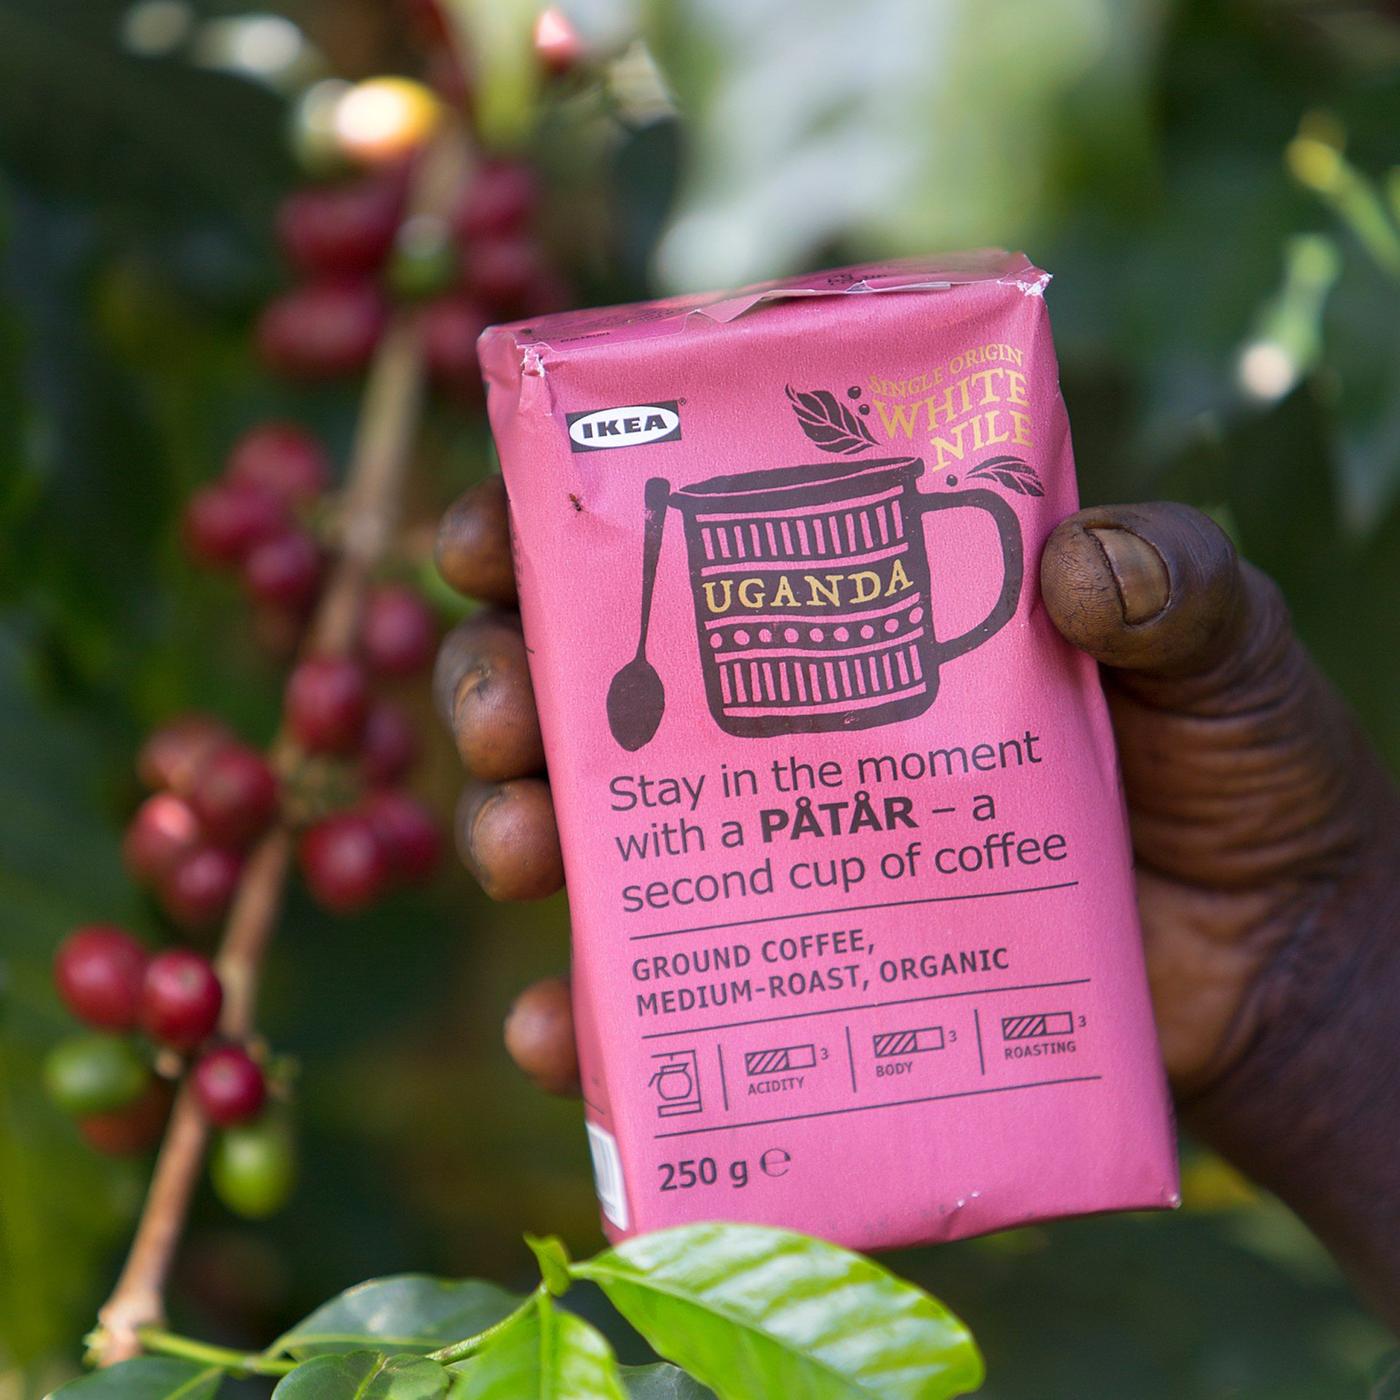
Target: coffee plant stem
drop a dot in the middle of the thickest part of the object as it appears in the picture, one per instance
(163, 1343)
(393, 397)
(379, 459)
(469, 1346)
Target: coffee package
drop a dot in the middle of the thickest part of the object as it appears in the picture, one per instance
(855, 948)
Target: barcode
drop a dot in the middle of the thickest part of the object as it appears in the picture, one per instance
(607, 1174)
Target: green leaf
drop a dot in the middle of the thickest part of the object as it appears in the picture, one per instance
(553, 1259)
(364, 1375)
(755, 1311)
(408, 1312)
(547, 1354)
(145, 1378)
(662, 1382)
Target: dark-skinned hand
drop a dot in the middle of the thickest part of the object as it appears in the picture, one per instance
(1265, 830)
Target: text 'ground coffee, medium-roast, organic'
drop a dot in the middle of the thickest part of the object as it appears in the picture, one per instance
(855, 945)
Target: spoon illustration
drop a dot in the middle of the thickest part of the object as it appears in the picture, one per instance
(636, 697)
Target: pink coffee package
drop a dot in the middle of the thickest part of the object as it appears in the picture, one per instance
(855, 948)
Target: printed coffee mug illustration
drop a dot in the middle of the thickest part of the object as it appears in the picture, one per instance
(812, 594)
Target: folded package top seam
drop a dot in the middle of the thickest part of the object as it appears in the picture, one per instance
(721, 308)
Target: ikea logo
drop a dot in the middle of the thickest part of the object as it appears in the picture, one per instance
(634, 425)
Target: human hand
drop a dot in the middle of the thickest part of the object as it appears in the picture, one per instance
(1265, 834)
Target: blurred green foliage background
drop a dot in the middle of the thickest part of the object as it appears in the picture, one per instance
(1215, 186)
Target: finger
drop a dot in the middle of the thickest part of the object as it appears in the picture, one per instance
(1238, 759)
(457, 653)
(473, 544)
(507, 836)
(539, 1036)
(494, 721)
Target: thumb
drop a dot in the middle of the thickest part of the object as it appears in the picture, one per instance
(1155, 589)
(1240, 762)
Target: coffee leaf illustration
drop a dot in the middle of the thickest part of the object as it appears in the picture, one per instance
(1010, 472)
(828, 422)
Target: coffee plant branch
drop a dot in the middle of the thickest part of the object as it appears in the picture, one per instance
(384, 438)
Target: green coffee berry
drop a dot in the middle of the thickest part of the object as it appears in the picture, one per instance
(253, 1166)
(95, 1074)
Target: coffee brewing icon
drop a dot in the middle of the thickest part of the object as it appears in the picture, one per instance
(676, 1083)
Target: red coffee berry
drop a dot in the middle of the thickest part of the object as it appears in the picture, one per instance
(229, 1086)
(450, 327)
(281, 458)
(98, 969)
(326, 702)
(398, 633)
(225, 519)
(162, 830)
(235, 795)
(173, 754)
(180, 999)
(557, 43)
(284, 570)
(322, 330)
(132, 1129)
(406, 830)
(503, 272)
(197, 889)
(338, 229)
(388, 744)
(345, 863)
(499, 199)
